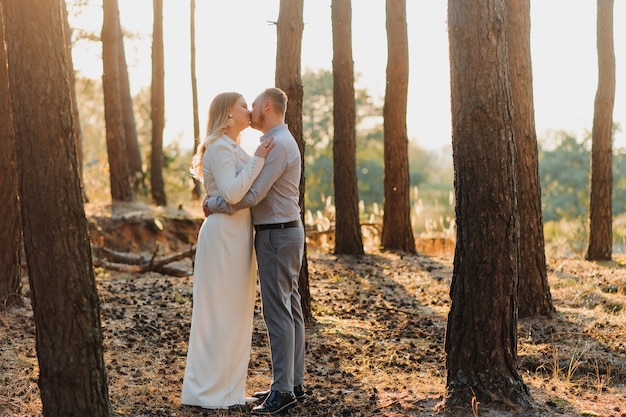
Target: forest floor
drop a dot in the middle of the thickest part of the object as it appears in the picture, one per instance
(374, 348)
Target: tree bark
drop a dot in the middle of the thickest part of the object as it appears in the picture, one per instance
(481, 336)
(72, 373)
(158, 107)
(348, 238)
(133, 153)
(10, 227)
(601, 179)
(288, 78)
(121, 187)
(534, 291)
(397, 229)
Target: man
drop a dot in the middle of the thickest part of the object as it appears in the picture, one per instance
(279, 244)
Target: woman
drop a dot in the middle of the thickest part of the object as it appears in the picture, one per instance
(224, 270)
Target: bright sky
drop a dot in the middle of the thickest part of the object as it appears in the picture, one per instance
(236, 47)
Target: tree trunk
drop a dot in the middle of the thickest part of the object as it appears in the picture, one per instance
(481, 336)
(288, 78)
(158, 106)
(198, 190)
(121, 188)
(534, 291)
(397, 230)
(601, 179)
(72, 373)
(135, 167)
(10, 227)
(348, 238)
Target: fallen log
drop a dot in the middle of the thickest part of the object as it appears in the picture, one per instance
(124, 262)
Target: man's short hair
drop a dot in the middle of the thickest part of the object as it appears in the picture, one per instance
(278, 98)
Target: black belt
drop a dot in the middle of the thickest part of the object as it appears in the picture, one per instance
(288, 225)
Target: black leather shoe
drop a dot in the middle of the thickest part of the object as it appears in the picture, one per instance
(275, 403)
(298, 391)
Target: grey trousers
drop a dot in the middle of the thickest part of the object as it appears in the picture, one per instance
(279, 256)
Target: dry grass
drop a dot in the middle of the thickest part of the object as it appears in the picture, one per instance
(375, 349)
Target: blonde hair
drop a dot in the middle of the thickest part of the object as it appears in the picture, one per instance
(216, 127)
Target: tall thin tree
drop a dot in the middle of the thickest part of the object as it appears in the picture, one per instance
(601, 179)
(72, 373)
(397, 231)
(133, 153)
(10, 227)
(121, 187)
(348, 237)
(534, 290)
(198, 189)
(158, 106)
(481, 335)
(289, 28)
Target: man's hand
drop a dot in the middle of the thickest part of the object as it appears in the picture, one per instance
(205, 208)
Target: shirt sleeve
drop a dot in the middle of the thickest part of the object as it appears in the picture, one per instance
(232, 185)
(275, 163)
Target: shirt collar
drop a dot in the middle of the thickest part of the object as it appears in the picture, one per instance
(273, 131)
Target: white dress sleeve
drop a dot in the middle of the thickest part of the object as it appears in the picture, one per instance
(231, 183)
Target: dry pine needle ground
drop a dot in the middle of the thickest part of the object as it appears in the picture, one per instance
(374, 349)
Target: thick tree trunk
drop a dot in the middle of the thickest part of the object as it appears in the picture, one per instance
(158, 107)
(10, 227)
(121, 188)
(601, 183)
(288, 78)
(348, 238)
(481, 336)
(534, 291)
(397, 229)
(72, 373)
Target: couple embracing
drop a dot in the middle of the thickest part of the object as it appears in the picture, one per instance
(250, 201)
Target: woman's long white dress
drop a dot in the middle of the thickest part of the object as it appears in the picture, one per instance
(224, 287)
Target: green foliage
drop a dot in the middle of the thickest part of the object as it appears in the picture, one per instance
(564, 176)
(565, 238)
(90, 101)
(317, 123)
(370, 165)
(564, 164)
(619, 182)
(430, 171)
(176, 176)
(96, 181)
